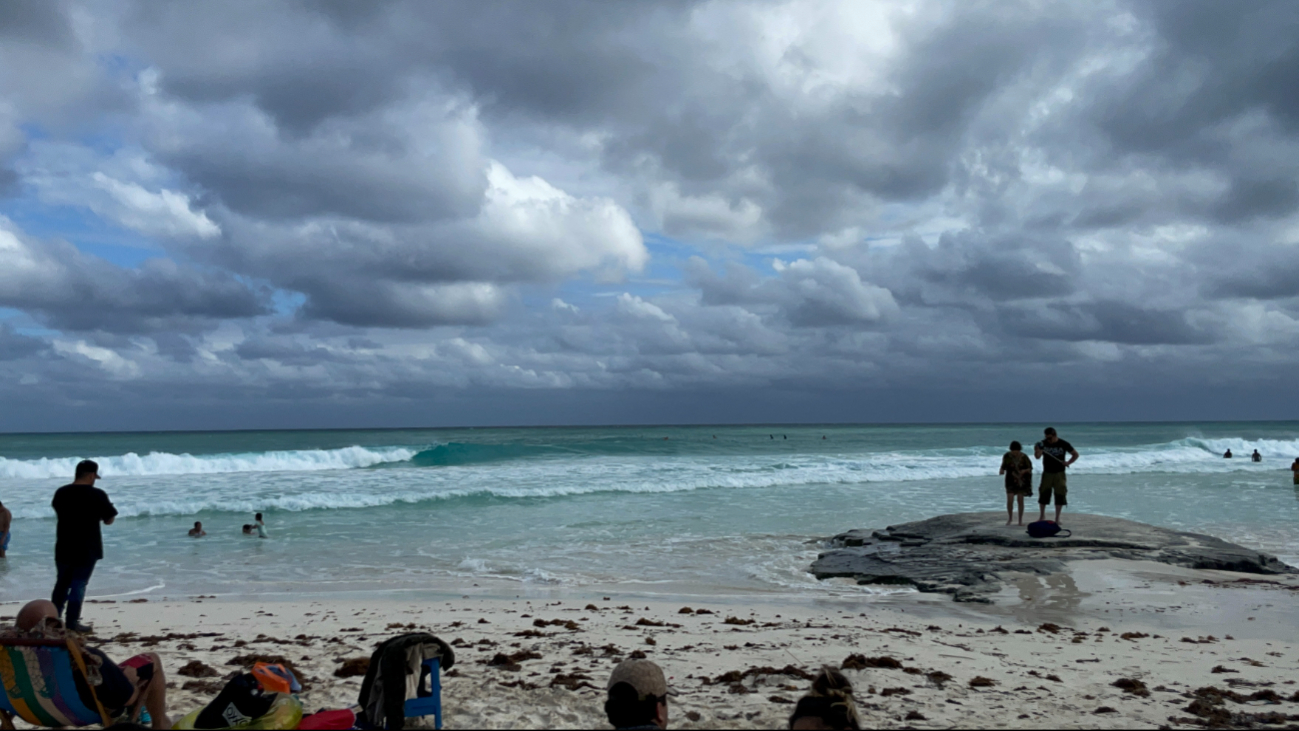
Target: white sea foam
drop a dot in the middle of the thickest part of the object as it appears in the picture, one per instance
(228, 487)
(165, 463)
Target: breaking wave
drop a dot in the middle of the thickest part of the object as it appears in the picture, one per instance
(165, 463)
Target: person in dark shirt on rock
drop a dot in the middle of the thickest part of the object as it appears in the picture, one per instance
(80, 508)
(1052, 451)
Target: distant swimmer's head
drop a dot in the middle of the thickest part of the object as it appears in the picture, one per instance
(1016, 447)
(198, 525)
(248, 529)
(258, 517)
(34, 613)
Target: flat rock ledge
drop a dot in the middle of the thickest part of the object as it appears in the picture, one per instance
(966, 554)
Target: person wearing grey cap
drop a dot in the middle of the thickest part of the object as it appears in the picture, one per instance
(78, 545)
(638, 696)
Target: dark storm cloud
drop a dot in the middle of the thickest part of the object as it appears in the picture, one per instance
(14, 346)
(1112, 322)
(70, 290)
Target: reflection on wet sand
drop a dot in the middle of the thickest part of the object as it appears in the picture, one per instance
(1055, 596)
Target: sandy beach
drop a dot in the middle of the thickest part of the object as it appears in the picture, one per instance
(1048, 654)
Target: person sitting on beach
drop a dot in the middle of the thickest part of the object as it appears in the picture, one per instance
(248, 529)
(638, 696)
(197, 531)
(1018, 469)
(829, 705)
(1227, 454)
(1053, 478)
(7, 519)
(260, 525)
(1256, 456)
(138, 681)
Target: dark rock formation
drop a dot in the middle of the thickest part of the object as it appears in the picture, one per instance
(965, 554)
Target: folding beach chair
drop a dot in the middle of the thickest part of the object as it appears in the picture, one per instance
(404, 681)
(38, 683)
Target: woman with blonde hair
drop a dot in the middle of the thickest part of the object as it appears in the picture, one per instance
(829, 705)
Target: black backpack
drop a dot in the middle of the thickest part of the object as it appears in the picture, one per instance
(397, 668)
(241, 700)
(1047, 529)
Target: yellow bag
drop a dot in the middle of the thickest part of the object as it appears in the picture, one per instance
(285, 713)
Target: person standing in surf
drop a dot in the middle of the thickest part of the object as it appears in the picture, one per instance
(1018, 469)
(1293, 468)
(7, 519)
(78, 545)
(1052, 451)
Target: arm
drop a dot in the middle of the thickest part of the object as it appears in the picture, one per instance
(108, 512)
(1037, 451)
(1073, 458)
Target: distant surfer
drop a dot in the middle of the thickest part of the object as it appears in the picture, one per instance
(1227, 454)
(1256, 457)
(1052, 451)
(1018, 469)
(7, 519)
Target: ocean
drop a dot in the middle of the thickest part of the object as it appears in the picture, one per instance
(673, 511)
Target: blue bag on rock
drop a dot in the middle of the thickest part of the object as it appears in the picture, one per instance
(1047, 529)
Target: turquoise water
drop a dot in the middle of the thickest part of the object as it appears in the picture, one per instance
(654, 509)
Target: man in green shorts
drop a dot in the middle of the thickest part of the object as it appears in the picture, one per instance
(1052, 451)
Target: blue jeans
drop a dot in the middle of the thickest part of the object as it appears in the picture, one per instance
(70, 589)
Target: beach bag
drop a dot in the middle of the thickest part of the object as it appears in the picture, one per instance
(397, 674)
(1047, 529)
(242, 704)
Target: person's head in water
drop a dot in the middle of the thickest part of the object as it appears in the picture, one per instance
(86, 473)
(638, 695)
(248, 528)
(1050, 435)
(829, 705)
(258, 518)
(1016, 447)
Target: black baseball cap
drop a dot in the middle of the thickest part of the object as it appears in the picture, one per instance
(87, 467)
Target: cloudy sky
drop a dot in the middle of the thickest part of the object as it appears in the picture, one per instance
(230, 215)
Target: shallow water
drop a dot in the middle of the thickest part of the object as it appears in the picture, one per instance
(662, 509)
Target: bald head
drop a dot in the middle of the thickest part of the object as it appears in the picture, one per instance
(34, 612)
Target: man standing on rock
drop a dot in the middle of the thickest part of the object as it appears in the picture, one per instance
(80, 507)
(1052, 451)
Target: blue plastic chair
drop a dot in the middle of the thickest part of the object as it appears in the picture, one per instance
(430, 704)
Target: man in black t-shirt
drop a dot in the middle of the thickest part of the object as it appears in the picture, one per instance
(80, 507)
(1052, 451)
